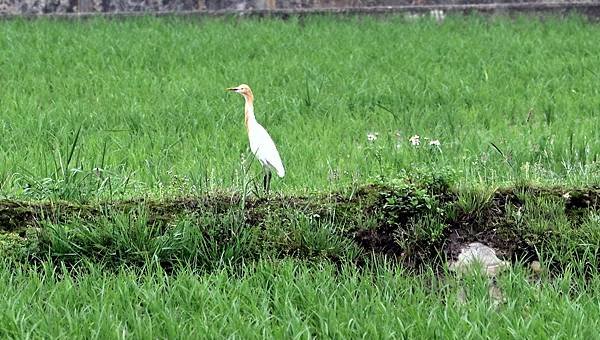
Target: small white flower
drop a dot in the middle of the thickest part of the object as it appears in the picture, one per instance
(371, 136)
(415, 140)
(435, 142)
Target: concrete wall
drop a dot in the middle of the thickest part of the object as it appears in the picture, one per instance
(35, 7)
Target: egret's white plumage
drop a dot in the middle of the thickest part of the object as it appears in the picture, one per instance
(261, 143)
(263, 147)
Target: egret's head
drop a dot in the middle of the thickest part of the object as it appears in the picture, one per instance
(243, 89)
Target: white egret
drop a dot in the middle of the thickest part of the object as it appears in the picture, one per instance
(261, 144)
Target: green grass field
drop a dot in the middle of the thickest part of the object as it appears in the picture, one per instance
(149, 98)
(290, 300)
(129, 208)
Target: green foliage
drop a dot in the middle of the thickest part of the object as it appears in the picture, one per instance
(132, 239)
(289, 299)
(415, 208)
(204, 240)
(473, 201)
(421, 191)
(12, 246)
(420, 236)
(562, 238)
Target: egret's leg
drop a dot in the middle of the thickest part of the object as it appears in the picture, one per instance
(265, 185)
(268, 181)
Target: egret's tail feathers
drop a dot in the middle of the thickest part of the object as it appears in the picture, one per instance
(273, 162)
(281, 172)
(277, 166)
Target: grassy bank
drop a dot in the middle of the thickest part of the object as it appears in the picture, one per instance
(417, 223)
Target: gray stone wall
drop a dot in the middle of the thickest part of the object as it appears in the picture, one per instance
(36, 7)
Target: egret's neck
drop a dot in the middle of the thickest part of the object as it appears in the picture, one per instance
(249, 110)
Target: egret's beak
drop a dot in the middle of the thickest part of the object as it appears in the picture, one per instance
(231, 89)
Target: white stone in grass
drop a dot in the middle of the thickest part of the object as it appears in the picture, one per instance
(478, 254)
(483, 257)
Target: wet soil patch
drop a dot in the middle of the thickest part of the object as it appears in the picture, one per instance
(489, 226)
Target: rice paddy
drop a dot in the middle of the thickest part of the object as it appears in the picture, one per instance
(131, 205)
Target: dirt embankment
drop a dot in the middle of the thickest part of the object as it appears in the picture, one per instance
(416, 225)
